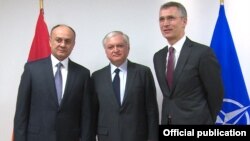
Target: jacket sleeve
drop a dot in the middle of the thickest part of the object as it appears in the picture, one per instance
(152, 107)
(211, 78)
(23, 106)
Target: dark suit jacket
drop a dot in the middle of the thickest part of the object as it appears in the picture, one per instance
(197, 93)
(137, 118)
(38, 116)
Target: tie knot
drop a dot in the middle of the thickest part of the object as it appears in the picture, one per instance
(59, 65)
(171, 49)
(117, 71)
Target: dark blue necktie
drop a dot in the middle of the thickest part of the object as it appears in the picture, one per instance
(170, 67)
(58, 82)
(116, 85)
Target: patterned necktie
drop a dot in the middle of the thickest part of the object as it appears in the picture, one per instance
(116, 85)
(58, 82)
(170, 67)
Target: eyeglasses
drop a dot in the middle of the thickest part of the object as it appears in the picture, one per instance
(168, 18)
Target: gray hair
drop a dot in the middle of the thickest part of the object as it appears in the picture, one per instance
(114, 33)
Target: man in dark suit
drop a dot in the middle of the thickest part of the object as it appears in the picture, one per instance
(131, 112)
(191, 81)
(41, 115)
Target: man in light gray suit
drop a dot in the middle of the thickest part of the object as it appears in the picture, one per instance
(193, 93)
(131, 112)
(40, 114)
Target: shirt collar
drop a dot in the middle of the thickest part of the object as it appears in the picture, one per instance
(55, 61)
(123, 67)
(178, 45)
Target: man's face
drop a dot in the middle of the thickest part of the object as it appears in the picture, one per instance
(116, 50)
(62, 41)
(172, 24)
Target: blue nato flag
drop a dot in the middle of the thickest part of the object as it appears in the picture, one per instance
(236, 104)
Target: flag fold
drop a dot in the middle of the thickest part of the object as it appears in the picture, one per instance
(235, 109)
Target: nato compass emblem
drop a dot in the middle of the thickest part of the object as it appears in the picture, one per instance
(235, 113)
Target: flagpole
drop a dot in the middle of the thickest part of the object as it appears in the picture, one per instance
(41, 4)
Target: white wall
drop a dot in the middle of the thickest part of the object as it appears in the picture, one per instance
(92, 19)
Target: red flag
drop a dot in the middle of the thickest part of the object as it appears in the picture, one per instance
(40, 46)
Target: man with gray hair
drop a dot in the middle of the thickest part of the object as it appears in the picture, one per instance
(125, 105)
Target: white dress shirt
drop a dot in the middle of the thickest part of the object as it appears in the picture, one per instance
(177, 46)
(64, 70)
(123, 77)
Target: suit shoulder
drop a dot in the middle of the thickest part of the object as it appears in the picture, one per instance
(139, 66)
(203, 49)
(100, 71)
(39, 60)
(38, 63)
(200, 50)
(159, 54)
(199, 45)
(161, 51)
(80, 67)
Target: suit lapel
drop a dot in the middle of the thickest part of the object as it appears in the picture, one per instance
(69, 82)
(185, 52)
(107, 79)
(162, 71)
(48, 71)
(131, 72)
